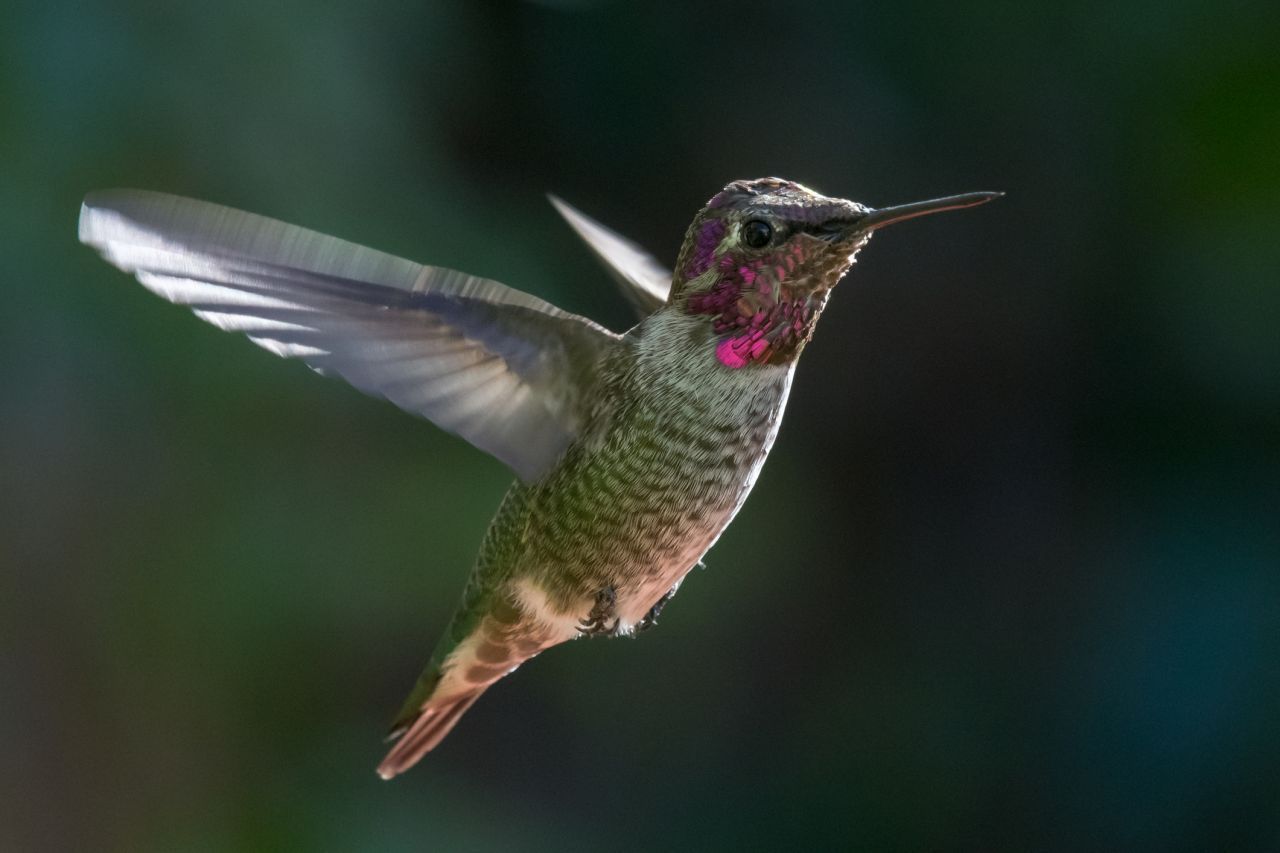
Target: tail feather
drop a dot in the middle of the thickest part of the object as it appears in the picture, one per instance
(424, 733)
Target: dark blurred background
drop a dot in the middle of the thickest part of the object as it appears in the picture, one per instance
(1010, 580)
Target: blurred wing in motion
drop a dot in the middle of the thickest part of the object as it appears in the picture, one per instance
(645, 282)
(504, 370)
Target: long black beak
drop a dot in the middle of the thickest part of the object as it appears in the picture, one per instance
(880, 217)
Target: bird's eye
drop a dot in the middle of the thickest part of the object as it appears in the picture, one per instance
(757, 233)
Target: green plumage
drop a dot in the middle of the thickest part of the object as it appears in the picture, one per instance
(658, 472)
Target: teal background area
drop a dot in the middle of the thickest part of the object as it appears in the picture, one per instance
(1010, 580)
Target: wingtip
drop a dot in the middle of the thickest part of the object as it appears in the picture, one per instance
(90, 207)
(585, 227)
(96, 205)
(82, 227)
(582, 224)
(562, 207)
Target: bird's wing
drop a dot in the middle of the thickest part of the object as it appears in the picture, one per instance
(506, 371)
(644, 281)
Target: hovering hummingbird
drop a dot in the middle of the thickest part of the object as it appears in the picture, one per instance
(633, 451)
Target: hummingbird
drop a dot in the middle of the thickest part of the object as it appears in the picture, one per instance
(632, 451)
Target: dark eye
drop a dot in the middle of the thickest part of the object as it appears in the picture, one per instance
(757, 233)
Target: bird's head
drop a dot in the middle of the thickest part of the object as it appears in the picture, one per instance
(760, 259)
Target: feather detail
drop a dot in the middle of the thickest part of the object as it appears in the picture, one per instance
(425, 733)
(505, 370)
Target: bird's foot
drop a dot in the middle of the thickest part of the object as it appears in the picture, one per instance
(651, 618)
(603, 618)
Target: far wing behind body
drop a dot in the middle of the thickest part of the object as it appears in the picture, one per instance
(504, 370)
(644, 281)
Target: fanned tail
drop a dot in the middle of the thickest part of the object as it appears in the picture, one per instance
(488, 638)
(424, 733)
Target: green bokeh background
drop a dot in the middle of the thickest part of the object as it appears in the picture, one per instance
(1010, 580)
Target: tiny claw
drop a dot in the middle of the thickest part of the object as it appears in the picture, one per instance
(598, 620)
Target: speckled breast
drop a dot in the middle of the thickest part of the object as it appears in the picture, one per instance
(639, 501)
